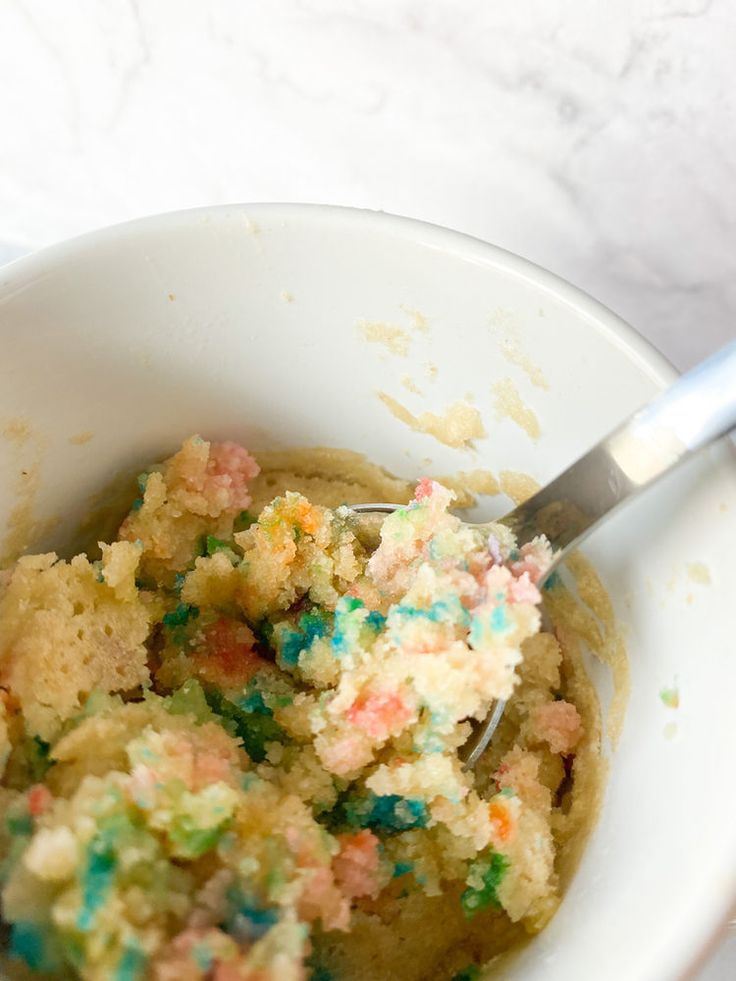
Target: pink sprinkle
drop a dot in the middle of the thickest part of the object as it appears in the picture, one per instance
(424, 488)
(356, 867)
(39, 798)
(230, 468)
(558, 724)
(380, 714)
(523, 590)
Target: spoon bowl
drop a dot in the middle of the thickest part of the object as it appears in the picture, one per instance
(696, 410)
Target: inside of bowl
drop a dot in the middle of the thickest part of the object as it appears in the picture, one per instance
(250, 324)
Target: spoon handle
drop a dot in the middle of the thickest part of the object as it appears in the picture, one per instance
(693, 412)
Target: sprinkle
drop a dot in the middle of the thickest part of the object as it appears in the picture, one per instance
(469, 973)
(39, 798)
(97, 879)
(28, 943)
(670, 697)
(243, 521)
(484, 878)
(181, 615)
(389, 813)
(311, 626)
(495, 549)
(132, 965)
(214, 545)
(499, 620)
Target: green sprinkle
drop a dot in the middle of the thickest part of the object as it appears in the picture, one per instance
(181, 615)
(263, 632)
(254, 729)
(402, 868)
(244, 520)
(37, 756)
(670, 698)
(469, 973)
(193, 842)
(213, 545)
(20, 824)
(190, 700)
(488, 873)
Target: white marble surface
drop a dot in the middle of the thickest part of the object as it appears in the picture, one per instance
(596, 138)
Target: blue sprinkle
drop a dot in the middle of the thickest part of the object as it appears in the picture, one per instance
(27, 943)
(499, 620)
(552, 581)
(97, 879)
(253, 701)
(181, 615)
(441, 611)
(402, 868)
(343, 621)
(132, 965)
(375, 620)
(137, 504)
(292, 644)
(311, 626)
(202, 956)
(246, 919)
(389, 813)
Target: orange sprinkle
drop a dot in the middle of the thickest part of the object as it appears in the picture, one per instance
(308, 518)
(502, 823)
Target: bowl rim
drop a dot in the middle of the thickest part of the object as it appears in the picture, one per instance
(20, 273)
(654, 364)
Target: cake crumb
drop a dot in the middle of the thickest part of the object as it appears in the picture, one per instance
(457, 426)
(394, 338)
(698, 572)
(79, 439)
(509, 405)
(410, 385)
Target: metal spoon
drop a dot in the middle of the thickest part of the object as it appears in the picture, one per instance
(693, 412)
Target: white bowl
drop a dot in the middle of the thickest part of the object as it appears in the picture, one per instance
(241, 322)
